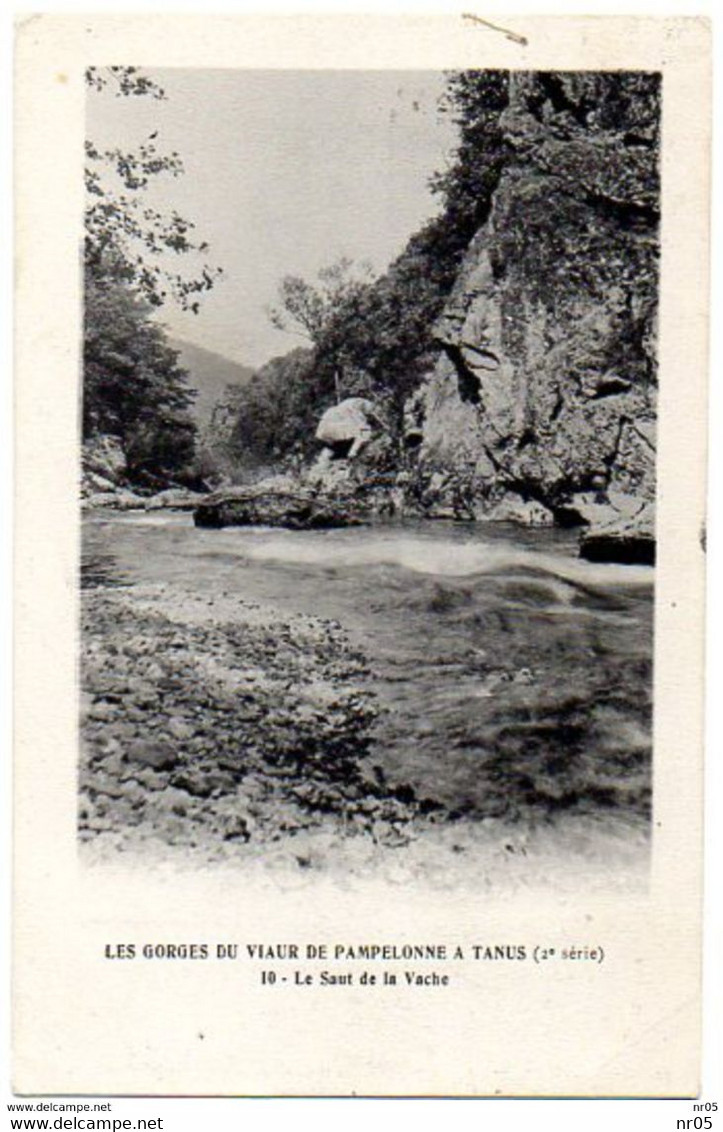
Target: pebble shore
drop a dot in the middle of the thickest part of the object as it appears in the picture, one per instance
(216, 722)
(216, 730)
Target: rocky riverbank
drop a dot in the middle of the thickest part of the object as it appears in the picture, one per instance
(362, 486)
(209, 723)
(614, 527)
(219, 729)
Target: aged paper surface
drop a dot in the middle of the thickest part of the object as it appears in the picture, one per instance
(262, 1022)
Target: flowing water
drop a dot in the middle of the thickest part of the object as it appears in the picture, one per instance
(515, 678)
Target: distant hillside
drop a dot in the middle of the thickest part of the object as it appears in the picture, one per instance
(209, 374)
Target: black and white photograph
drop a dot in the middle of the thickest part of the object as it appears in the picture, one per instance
(369, 453)
(361, 547)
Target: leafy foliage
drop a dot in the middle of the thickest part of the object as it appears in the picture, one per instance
(125, 238)
(387, 331)
(313, 307)
(262, 423)
(476, 101)
(123, 235)
(133, 386)
(125, 80)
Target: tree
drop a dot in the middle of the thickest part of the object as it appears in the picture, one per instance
(124, 237)
(273, 413)
(133, 386)
(476, 101)
(310, 306)
(314, 309)
(379, 335)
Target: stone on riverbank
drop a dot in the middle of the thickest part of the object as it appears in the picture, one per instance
(120, 499)
(210, 722)
(630, 540)
(295, 510)
(175, 499)
(347, 427)
(525, 512)
(103, 463)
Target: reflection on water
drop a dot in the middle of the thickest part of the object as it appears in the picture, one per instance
(516, 678)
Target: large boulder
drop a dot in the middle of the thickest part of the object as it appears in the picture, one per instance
(94, 483)
(525, 512)
(119, 500)
(596, 509)
(103, 464)
(347, 427)
(104, 455)
(629, 540)
(274, 507)
(175, 499)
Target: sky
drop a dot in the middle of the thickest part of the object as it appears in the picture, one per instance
(285, 171)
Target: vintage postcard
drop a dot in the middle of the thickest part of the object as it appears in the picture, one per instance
(361, 536)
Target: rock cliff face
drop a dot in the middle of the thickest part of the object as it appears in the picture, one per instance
(545, 386)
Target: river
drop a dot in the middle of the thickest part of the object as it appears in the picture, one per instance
(515, 677)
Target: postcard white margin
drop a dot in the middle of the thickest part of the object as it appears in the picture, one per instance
(84, 1025)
